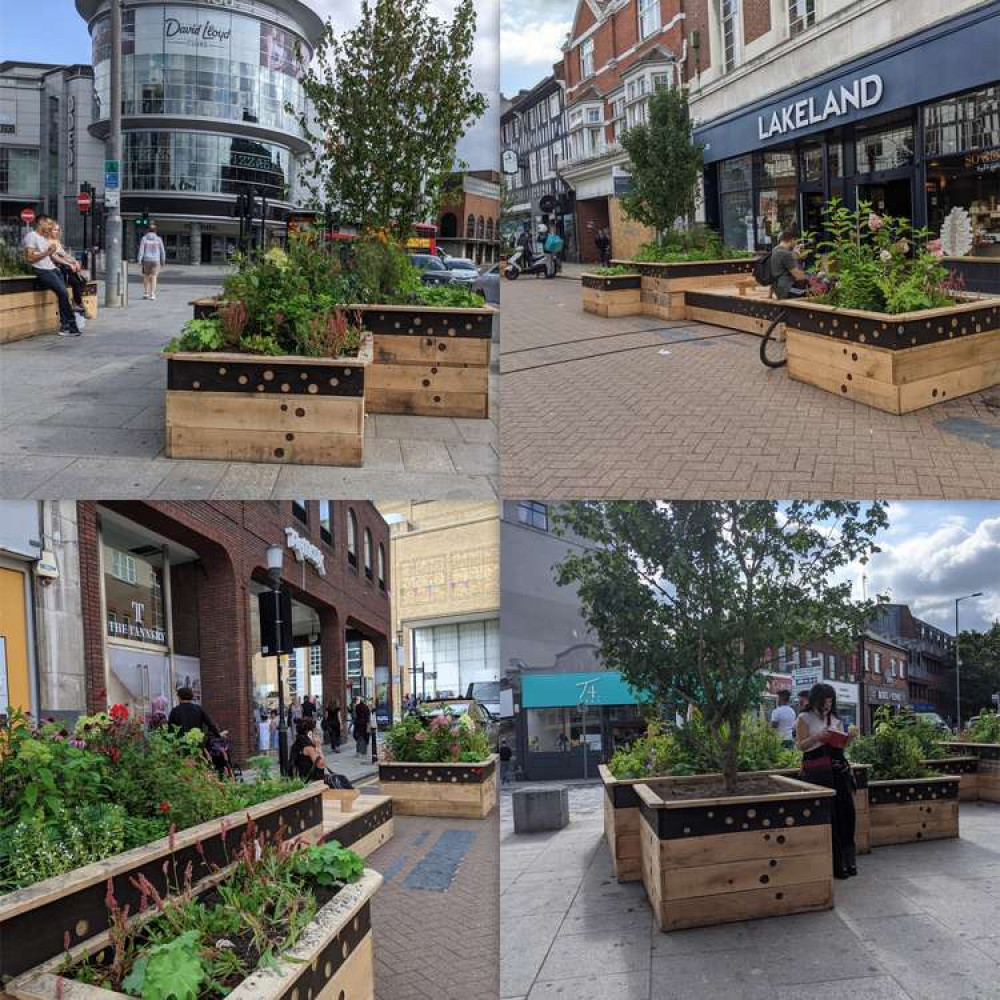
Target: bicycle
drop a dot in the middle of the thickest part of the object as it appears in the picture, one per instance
(774, 346)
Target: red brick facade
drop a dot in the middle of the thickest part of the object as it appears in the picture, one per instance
(212, 599)
(756, 19)
(699, 53)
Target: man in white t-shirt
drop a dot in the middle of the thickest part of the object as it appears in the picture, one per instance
(783, 718)
(152, 256)
(39, 248)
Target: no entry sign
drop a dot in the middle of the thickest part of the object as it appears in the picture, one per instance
(27, 216)
(83, 201)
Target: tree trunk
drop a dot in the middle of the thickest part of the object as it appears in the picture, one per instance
(731, 750)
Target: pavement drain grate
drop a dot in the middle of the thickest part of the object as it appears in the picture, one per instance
(439, 866)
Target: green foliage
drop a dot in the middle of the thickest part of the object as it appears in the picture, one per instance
(980, 670)
(697, 242)
(986, 728)
(12, 262)
(615, 271)
(446, 737)
(927, 735)
(330, 865)
(665, 162)
(173, 970)
(197, 335)
(389, 101)
(381, 271)
(452, 296)
(689, 600)
(655, 753)
(893, 750)
(263, 765)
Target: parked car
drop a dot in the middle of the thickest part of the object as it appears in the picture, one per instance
(462, 271)
(488, 285)
(487, 693)
(432, 269)
(935, 720)
(482, 717)
(465, 262)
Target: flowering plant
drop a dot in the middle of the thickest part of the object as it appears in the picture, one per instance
(441, 738)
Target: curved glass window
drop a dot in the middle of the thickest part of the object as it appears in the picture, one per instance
(205, 64)
(203, 162)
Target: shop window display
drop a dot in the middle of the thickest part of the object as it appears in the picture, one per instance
(737, 209)
(553, 730)
(777, 196)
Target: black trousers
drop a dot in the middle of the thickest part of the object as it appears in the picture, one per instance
(52, 279)
(75, 282)
(841, 780)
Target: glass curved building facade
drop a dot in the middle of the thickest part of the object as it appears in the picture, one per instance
(205, 90)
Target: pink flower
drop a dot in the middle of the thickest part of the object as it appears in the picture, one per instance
(439, 722)
(875, 222)
(421, 737)
(934, 248)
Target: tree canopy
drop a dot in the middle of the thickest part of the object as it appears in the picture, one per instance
(691, 601)
(980, 652)
(387, 103)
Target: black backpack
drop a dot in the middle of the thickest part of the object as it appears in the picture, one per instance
(762, 269)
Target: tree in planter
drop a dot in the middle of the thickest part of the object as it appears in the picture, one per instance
(691, 601)
(389, 101)
(980, 669)
(665, 162)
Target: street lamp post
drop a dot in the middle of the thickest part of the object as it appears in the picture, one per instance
(958, 662)
(275, 560)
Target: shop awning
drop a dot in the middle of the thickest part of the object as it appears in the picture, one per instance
(560, 690)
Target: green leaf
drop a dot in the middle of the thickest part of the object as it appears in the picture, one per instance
(175, 970)
(133, 982)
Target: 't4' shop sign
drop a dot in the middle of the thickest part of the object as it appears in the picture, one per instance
(864, 92)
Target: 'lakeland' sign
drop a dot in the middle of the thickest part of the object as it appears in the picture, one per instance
(864, 92)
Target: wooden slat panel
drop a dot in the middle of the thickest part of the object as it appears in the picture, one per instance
(743, 876)
(941, 811)
(706, 910)
(227, 444)
(862, 390)
(428, 378)
(918, 363)
(729, 320)
(754, 845)
(265, 412)
(427, 403)
(391, 349)
(949, 385)
(856, 359)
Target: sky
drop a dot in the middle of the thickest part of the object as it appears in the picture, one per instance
(532, 33)
(52, 31)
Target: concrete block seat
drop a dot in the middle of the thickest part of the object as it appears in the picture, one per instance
(540, 807)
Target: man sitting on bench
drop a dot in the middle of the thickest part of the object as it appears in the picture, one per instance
(39, 250)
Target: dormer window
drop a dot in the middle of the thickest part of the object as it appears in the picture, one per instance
(649, 17)
(587, 59)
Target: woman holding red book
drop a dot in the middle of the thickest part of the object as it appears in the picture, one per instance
(820, 735)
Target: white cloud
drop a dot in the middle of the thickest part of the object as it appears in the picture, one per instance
(532, 33)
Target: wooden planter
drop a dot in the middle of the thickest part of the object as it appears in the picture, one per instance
(987, 768)
(664, 286)
(34, 920)
(618, 295)
(621, 817)
(466, 790)
(333, 959)
(432, 362)
(903, 812)
(361, 822)
(26, 309)
(248, 408)
(967, 770)
(733, 858)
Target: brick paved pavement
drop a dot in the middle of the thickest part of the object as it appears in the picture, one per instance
(84, 418)
(636, 406)
(435, 918)
(918, 923)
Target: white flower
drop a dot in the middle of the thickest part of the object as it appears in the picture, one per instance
(885, 255)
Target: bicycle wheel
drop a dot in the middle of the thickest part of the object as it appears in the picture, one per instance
(774, 346)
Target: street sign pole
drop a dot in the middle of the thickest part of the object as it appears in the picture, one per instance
(113, 256)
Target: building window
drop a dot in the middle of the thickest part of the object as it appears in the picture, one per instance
(649, 17)
(326, 521)
(368, 553)
(729, 19)
(381, 566)
(554, 108)
(470, 228)
(448, 658)
(535, 515)
(877, 658)
(19, 172)
(735, 194)
(587, 59)
(887, 149)
(801, 15)
(300, 510)
(352, 538)
(123, 567)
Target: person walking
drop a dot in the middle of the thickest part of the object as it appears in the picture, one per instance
(152, 256)
(39, 250)
(308, 708)
(331, 721)
(820, 735)
(783, 718)
(603, 241)
(505, 756)
(362, 719)
(187, 714)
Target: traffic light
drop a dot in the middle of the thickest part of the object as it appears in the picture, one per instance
(142, 219)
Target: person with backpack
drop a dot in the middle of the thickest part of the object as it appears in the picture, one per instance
(603, 241)
(152, 256)
(782, 269)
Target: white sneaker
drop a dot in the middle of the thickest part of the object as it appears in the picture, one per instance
(153, 297)
(145, 295)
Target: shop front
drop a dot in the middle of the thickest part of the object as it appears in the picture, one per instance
(570, 722)
(913, 128)
(20, 548)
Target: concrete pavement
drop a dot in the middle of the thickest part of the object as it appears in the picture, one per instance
(918, 923)
(83, 418)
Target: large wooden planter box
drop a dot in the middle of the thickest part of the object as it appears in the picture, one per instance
(664, 286)
(738, 857)
(432, 362)
(34, 920)
(612, 295)
(248, 408)
(967, 770)
(621, 818)
(903, 812)
(333, 959)
(26, 309)
(987, 768)
(361, 822)
(467, 790)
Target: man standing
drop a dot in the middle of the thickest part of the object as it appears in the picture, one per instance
(783, 718)
(603, 241)
(152, 256)
(38, 252)
(362, 718)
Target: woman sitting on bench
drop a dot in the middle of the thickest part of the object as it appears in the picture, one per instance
(72, 272)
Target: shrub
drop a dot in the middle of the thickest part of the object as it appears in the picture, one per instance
(893, 750)
(12, 262)
(615, 271)
(697, 243)
(443, 738)
(986, 728)
(656, 753)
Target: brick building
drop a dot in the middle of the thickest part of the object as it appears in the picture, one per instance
(885, 668)
(469, 220)
(616, 55)
(170, 597)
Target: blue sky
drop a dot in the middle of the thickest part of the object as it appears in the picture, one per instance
(531, 36)
(43, 31)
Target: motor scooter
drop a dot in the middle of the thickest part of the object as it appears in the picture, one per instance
(545, 264)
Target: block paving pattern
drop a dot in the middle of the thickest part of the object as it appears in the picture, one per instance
(641, 407)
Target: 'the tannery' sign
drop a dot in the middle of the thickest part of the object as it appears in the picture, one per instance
(865, 92)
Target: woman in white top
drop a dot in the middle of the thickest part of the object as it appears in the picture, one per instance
(152, 256)
(819, 734)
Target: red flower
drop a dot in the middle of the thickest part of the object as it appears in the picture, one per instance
(115, 754)
(118, 713)
(164, 807)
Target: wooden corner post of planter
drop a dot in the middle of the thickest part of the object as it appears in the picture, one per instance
(735, 857)
(907, 810)
(466, 790)
(248, 408)
(429, 361)
(612, 295)
(621, 825)
(987, 768)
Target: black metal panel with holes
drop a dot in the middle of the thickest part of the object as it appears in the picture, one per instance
(444, 774)
(318, 971)
(264, 376)
(418, 322)
(33, 936)
(970, 766)
(612, 283)
(623, 796)
(895, 793)
(767, 309)
(362, 825)
(769, 816)
(14, 286)
(695, 269)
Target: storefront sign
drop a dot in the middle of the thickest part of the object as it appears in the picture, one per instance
(135, 630)
(847, 694)
(865, 92)
(983, 162)
(885, 694)
(305, 551)
(803, 678)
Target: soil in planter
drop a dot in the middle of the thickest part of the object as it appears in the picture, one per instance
(713, 788)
